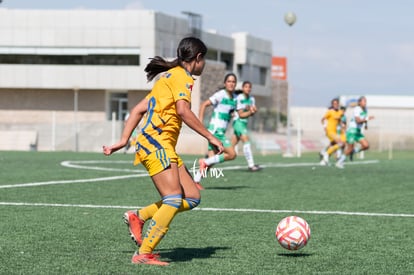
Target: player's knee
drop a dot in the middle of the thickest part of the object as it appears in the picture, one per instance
(364, 145)
(231, 155)
(193, 202)
(173, 200)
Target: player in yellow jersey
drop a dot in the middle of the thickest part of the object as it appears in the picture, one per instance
(331, 120)
(163, 110)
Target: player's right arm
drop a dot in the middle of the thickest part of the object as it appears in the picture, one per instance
(132, 122)
(325, 118)
(202, 109)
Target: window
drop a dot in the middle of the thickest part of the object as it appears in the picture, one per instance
(227, 58)
(211, 55)
(255, 74)
(69, 56)
(118, 104)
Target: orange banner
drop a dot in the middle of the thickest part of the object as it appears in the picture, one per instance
(279, 70)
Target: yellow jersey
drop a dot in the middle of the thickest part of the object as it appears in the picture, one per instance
(333, 118)
(161, 124)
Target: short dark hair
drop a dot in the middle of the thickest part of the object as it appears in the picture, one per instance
(246, 82)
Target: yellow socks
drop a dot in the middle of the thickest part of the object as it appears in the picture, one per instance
(160, 222)
(332, 149)
(148, 212)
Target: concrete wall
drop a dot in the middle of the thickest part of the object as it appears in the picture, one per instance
(390, 126)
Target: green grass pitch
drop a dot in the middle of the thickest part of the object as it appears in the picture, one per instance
(61, 213)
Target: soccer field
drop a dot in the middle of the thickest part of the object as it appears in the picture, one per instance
(61, 213)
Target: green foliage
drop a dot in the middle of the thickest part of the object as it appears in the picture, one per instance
(82, 233)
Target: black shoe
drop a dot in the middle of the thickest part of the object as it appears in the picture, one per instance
(255, 168)
(351, 156)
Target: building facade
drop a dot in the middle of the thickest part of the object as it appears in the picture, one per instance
(69, 77)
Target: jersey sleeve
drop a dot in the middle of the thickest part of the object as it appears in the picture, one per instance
(181, 87)
(327, 114)
(215, 98)
(357, 111)
(239, 104)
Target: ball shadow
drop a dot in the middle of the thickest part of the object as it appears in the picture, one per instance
(294, 255)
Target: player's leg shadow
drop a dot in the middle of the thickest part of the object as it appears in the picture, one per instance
(184, 254)
(225, 187)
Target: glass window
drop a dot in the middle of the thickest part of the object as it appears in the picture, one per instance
(254, 74)
(118, 104)
(91, 59)
(227, 58)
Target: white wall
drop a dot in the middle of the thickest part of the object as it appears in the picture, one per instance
(80, 29)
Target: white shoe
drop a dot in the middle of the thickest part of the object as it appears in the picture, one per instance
(326, 158)
(323, 163)
(339, 165)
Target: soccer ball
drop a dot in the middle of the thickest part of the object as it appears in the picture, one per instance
(293, 233)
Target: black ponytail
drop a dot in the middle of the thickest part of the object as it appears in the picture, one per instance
(158, 65)
(187, 51)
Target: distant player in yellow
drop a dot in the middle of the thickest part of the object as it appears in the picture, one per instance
(342, 126)
(331, 121)
(163, 110)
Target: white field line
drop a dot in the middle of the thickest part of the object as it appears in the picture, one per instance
(70, 164)
(78, 165)
(344, 213)
(31, 184)
(300, 164)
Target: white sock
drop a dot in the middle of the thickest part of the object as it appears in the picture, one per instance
(247, 150)
(325, 157)
(338, 153)
(212, 160)
(197, 177)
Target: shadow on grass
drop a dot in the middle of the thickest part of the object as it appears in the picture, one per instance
(226, 187)
(294, 255)
(184, 254)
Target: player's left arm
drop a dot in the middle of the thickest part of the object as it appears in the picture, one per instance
(363, 120)
(248, 110)
(253, 107)
(189, 118)
(244, 113)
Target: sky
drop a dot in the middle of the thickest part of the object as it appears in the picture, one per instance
(336, 47)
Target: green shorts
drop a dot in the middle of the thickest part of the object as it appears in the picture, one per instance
(354, 135)
(226, 142)
(240, 128)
